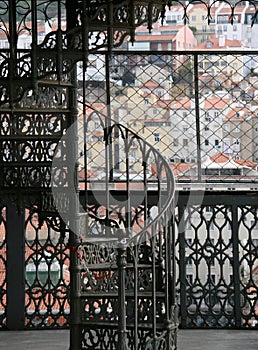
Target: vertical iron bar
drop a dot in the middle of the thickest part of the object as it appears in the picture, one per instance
(13, 50)
(110, 168)
(136, 257)
(236, 266)
(128, 197)
(182, 264)
(72, 150)
(145, 183)
(108, 145)
(154, 296)
(59, 58)
(15, 269)
(121, 264)
(197, 114)
(75, 273)
(34, 72)
(85, 46)
(168, 280)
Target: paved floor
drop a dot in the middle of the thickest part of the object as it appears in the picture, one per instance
(187, 340)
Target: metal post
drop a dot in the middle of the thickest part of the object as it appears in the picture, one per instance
(236, 266)
(182, 265)
(121, 264)
(15, 308)
(197, 113)
(74, 219)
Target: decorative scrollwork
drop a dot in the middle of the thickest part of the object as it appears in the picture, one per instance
(47, 272)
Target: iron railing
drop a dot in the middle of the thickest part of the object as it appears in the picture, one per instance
(206, 125)
(216, 254)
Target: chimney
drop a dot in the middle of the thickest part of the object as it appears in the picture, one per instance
(221, 40)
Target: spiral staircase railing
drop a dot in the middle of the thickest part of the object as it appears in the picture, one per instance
(126, 257)
(124, 295)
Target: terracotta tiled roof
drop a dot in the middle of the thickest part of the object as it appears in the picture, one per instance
(184, 103)
(179, 168)
(247, 163)
(151, 83)
(220, 158)
(215, 44)
(197, 6)
(224, 158)
(155, 37)
(238, 114)
(164, 103)
(216, 102)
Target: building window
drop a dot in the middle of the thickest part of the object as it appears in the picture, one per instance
(194, 18)
(207, 117)
(225, 28)
(185, 142)
(236, 145)
(234, 27)
(156, 137)
(216, 142)
(206, 142)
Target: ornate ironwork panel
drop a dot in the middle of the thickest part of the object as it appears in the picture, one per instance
(248, 262)
(217, 262)
(47, 277)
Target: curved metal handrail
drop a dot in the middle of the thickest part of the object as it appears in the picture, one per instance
(161, 180)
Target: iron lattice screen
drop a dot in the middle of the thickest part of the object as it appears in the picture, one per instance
(47, 275)
(198, 109)
(217, 261)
